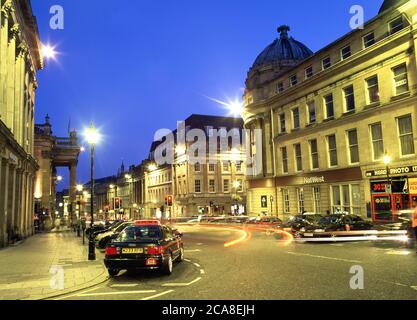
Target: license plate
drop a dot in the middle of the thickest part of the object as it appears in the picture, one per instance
(308, 234)
(132, 250)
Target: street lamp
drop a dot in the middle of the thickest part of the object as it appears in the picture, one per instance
(48, 51)
(129, 180)
(388, 186)
(236, 187)
(93, 137)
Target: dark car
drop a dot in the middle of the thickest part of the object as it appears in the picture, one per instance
(328, 225)
(274, 222)
(102, 239)
(108, 227)
(144, 245)
(296, 223)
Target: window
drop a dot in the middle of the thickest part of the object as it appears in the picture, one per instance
(280, 87)
(212, 167)
(300, 198)
(368, 40)
(197, 186)
(197, 167)
(405, 130)
(400, 79)
(349, 99)
(345, 52)
(317, 199)
(326, 63)
(309, 72)
(226, 185)
(225, 166)
(239, 166)
(212, 186)
(282, 123)
(286, 200)
(311, 106)
(345, 198)
(332, 147)
(377, 141)
(298, 157)
(293, 80)
(314, 154)
(296, 118)
(328, 101)
(352, 136)
(373, 89)
(284, 155)
(396, 25)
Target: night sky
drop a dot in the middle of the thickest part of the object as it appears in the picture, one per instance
(135, 66)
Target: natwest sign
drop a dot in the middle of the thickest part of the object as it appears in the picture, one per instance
(392, 171)
(313, 180)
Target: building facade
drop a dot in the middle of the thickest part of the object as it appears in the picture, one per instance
(329, 120)
(20, 59)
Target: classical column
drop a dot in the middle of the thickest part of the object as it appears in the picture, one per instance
(30, 205)
(11, 76)
(20, 124)
(73, 188)
(4, 196)
(11, 200)
(5, 9)
(18, 205)
(24, 205)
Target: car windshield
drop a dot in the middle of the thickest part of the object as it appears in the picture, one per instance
(329, 219)
(135, 233)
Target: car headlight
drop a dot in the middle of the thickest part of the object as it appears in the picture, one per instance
(303, 229)
(319, 230)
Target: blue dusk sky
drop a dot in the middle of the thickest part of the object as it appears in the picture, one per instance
(135, 66)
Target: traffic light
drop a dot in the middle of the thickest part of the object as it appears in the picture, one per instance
(169, 201)
(117, 203)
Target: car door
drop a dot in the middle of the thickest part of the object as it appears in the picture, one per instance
(171, 242)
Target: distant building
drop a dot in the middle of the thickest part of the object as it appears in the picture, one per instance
(329, 118)
(20, 59)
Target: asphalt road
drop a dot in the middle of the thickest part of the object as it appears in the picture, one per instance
(263, 267)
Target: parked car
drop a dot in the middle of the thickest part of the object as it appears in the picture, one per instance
(295, 224)
(266, 221)
(328, 225)
(104, 238)
(144, 245)
(108, 227)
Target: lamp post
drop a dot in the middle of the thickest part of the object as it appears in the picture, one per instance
(236, 187)
(388, 187)
(92, 137)
(129, 180)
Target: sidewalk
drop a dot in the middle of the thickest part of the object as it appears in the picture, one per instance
(48, 265)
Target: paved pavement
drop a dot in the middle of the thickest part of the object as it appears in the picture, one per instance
(47, 265)
(264, 268)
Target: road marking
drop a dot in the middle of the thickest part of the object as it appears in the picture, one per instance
(181, 284)
(414, 287)
(76, 294)
(158, 295)
(124, 285)
(398, 253)
(188, 260)
(115, 293)
(324, 257)
(194, 250)
(337, 244)
(200, 244)
(197, 265)
(202, 271)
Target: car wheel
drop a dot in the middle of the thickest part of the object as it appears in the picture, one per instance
(168, 265)
(181, 255)
(113, 272)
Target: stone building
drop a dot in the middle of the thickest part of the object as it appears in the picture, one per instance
(52, 152)
(329, 118)
(20, 59)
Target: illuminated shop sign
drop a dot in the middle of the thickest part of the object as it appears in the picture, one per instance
(313, 180)
(392, 171)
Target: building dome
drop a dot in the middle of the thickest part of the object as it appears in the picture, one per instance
(391, 4)
(283, 49)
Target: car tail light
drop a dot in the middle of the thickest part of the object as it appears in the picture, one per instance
(155, 250)
(111, 251)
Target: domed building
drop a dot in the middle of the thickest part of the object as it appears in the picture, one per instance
(320, 124)
(281, 55)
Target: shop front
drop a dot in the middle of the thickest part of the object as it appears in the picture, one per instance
(392, 191)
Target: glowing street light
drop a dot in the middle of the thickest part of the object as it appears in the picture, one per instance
(59, 178)
(236, 185)
(152, 167)
(49, 52)
(80, 188)
(387, 160)
(235, 107)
